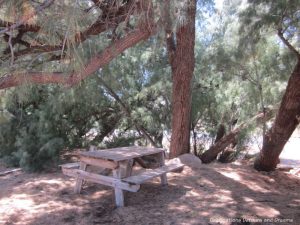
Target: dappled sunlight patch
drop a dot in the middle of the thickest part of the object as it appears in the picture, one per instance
(261, 209)
(45, 182)
(179, 208)
(205, 182)
(256, 187)
(27, 208)
(100, 193)
(193, 195)
(225, 196)
(232, 175)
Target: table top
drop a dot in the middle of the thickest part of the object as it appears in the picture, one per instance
(124, 153)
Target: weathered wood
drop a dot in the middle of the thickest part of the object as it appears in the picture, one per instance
(70, 165)
(124, 170)
(79, 180)
(10, 171)
(121, 154)
(100, 179)
(163, 177)
(98, 162)
(66, 167)
(152, 173)
(140, 162)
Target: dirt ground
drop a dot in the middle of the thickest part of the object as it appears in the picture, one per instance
(202, 194)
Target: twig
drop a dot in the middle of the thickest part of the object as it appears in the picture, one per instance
(287, 43)
(11, 48)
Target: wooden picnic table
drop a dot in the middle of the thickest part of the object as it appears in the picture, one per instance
(120, 161)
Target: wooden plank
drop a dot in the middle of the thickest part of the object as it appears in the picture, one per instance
(100, 179)
(70, 165)
(98, 162)
(163, 177)
(120, 154)
(9, 171)
(151, 173)
(79, 180)
(124, 170)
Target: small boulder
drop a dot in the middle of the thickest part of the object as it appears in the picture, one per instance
(188, 160)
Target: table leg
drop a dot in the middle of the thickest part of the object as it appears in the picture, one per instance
(124, 170)
(163, 178)
(78, 185)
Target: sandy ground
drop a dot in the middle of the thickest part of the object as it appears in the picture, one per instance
(202, 194)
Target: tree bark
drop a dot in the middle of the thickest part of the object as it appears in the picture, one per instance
(212, 153)
(221, 132)
(285, 123)
(182, 61)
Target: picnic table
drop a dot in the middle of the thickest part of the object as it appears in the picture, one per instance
(120, 161)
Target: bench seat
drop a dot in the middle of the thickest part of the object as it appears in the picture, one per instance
(152, 173)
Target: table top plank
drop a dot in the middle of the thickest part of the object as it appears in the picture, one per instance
(123, 153)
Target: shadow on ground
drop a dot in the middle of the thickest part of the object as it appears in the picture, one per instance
(203, 195)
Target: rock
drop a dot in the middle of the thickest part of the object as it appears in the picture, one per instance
(188, 159)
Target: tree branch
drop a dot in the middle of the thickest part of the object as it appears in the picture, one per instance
(287, 43)
(96, 62)
(170, 39)
(105, 22)
(140, 128)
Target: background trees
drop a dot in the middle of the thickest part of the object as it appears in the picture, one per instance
(200, 70)
(281, 17)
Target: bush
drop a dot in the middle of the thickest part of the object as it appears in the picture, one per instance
(47, 120)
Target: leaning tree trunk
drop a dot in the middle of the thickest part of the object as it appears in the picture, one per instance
(182, 60)
(220, 132)
(220, 145)
(212, 153)
(285, 123)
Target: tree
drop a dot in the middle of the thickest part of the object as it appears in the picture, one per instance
(47, 120)
(113, 17)
(180, 45)
(283, 17)
(51, 41)
(234, 81)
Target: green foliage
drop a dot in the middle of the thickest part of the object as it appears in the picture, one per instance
(264, 17)
(141, 79)
(235, 80)
(240, 69)
(48, 119)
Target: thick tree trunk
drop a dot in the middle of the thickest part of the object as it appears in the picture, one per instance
(285, 123)
(182, 60)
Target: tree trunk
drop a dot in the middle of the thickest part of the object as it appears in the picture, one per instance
(212, 153)
(182, 60)
(221, 132)
(285, 123)
(194, 140)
